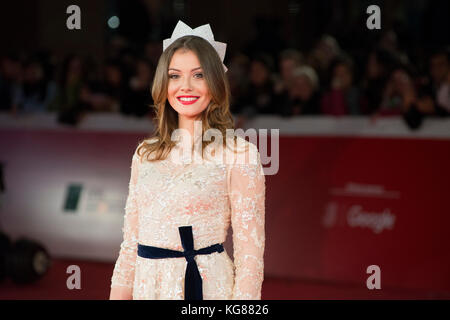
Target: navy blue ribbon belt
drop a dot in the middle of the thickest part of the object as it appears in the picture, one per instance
(192, 281)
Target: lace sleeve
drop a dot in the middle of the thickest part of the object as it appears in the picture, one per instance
(247, 199)
(123, 275)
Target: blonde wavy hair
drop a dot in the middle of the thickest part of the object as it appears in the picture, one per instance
(217, 114)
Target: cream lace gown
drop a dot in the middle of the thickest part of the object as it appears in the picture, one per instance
(210, 197)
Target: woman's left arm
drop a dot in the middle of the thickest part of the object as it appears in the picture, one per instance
(247, 199)
(122, 280)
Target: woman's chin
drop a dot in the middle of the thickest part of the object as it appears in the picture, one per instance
(189, 115)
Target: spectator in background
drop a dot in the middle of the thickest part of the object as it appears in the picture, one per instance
(116, 46)
(322, 55)
(440, 80)
(289, 60)
(399, 93)
(443, 98)
(108, 93)
(303, 95)
(238, 78)
(260, 97)
(343, 97)
(34, 92)
(402, 97)
(115, 85)
(380, 63)
(152, 51)
(72, 98)
(10, 75)
(389, 41)
(139, 100)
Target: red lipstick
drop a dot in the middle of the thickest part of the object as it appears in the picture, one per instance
(187, 102)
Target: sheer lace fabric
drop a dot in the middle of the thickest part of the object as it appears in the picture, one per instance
(211, 197)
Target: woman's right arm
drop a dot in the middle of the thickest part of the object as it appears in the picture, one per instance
(247, 201)
(123, 274)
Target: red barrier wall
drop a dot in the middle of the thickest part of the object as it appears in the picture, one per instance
(340, 204)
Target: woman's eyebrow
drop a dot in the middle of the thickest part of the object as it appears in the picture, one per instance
(180, 70)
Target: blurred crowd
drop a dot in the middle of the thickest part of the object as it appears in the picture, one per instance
(326, 80)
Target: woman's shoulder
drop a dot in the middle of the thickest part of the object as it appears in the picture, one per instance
(242, 144)
(242, 151)
(148, 141)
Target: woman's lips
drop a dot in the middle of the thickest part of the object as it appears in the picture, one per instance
(187, 102)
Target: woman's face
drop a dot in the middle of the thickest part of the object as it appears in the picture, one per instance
(302, 88)
(287, 66)
(401, 81)
(186, 79)
(258, 73)
(342, 77)
(373, 67)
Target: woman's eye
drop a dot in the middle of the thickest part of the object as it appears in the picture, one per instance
(175, 76)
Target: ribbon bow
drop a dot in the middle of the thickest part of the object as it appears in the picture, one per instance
(204, 31)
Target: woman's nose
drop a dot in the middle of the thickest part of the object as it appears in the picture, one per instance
(186, 84)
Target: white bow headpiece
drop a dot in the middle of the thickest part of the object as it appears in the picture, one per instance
(204, 31)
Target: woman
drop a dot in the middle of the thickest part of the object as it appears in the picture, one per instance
(259, 97)
(72, 99)
(186, 207)
(302, 98)
(36, 91)
(343, 97)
